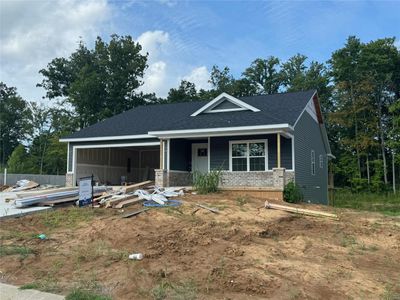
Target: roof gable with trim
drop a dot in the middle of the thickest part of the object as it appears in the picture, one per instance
(224, 103)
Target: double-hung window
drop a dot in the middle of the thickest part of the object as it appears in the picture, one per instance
(248, 155)
(321, 161)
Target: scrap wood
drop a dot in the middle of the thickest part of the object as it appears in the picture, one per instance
(126, 203)
(114, 200)
(59, 201)
(214, 210)
(301, 211)
(133, 187)
(131, 214)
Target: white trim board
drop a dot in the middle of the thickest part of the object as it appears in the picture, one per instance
(107, 138)
(242, 105)
(223, 131)
(304, 109)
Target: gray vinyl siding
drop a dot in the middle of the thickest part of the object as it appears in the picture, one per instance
(219, 150)
(115, 142)
(307, 137)
(180, 157)
(180, 154)
(225, 105)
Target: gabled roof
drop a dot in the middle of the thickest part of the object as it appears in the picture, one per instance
(274, 109)
(215, 105)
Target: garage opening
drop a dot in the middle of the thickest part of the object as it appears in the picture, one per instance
(117, 165)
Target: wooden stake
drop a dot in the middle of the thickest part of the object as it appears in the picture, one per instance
(301, 211)
(214, 210)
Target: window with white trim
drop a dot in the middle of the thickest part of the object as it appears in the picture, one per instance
(321, 161)
(248, 155)
(312, 162)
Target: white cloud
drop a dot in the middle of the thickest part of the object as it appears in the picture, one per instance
(154, 42)
(155, 78)
(32, 33)
(199, 76)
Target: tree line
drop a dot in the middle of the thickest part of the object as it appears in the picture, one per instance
(359, 90)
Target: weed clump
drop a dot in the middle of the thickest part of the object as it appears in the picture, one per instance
(206, 183)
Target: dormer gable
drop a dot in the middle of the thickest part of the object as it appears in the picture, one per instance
(224, 103)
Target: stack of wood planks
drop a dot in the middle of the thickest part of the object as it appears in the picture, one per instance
(123, 198)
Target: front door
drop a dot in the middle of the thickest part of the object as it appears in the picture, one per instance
(200, 157)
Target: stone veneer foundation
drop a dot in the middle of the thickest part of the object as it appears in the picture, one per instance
(276, 179)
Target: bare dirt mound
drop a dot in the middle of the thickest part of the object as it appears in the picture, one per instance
(243, 252)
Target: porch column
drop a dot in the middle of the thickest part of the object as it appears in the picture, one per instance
(278, 149)
(161, 154)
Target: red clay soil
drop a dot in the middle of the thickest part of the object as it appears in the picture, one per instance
(243, 252)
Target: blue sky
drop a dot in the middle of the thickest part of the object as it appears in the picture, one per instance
(185, 38)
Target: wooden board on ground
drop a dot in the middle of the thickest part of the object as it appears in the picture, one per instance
(129, 202)
(58, 201)
(133, 187)
(301, 211)
(134, 213)
(214, 210)
(117, 199)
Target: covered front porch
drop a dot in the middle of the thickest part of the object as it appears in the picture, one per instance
(258, 161)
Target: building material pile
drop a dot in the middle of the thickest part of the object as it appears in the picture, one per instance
(22, 185)
(64, 196)
(307, 212)
(138, 193)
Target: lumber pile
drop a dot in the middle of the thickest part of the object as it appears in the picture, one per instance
(301, 211)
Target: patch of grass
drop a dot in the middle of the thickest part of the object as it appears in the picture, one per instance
(390, 293)
(240, 201)
(81, 294)
(160, 291)
(47, 280)
(182, 290)
(23, 251)
(99, 250)
(14, 234)
(70, 217)
(385, 203)
(30, 286)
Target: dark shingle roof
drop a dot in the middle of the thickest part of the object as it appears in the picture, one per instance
(274, 109)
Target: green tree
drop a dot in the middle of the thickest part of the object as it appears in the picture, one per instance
(19, 161)
(98, 83)
(264, 75)
(378, 66)
(184, 93)
(14, 117)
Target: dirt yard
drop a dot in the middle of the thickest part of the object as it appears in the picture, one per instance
(245, 252)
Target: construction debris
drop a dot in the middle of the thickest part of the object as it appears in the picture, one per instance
(131, 214)
(214, 210)
(22, 185)
(301, 211)
(173, 203)
(133, 187)
(128, 203)
(28, 201)
(136, 256)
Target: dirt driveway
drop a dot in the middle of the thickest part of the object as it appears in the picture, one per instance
(245, 252)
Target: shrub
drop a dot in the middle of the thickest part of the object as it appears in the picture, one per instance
(358, 184)
(292, 193)
(207, 182)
